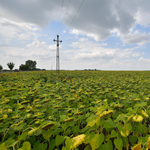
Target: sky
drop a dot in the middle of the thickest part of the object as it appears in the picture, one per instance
(95, 34)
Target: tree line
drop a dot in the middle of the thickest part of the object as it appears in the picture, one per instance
(29, 65)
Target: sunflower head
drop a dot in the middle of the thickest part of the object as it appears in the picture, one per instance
(144, 114)
(25, 102)
(5, 116)
(48, 125)
(59, 98)
(137, 118)
(77, 113)
(106, 113)
(137, 147)
(32, 131)
(72, 99)
(45, 100)
(76, 141)
(68, 120)
(148, 143)
(57, 106)
(136, 99)
(9, 110)
(21, 108)
(73, 91)
(28, 116)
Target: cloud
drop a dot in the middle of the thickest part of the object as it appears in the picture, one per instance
(135, 38)
(86, 50)
(100, 22)
(26, 22)
(128, 64)
(34, 12)
(14, 30)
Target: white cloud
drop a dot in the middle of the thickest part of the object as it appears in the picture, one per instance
(104, 19)
(87, 50)
(101, 19)
(14, 30)
(36, 44)
(135, 38)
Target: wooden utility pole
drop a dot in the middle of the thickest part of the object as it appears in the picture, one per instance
(57, 55)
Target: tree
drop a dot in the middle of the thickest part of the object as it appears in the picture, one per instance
(31, 64)
(23, 67)
(1, 68)
(10, 65)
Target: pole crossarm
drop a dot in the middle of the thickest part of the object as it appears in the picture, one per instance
(57, 54)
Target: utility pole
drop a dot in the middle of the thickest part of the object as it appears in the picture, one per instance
(57, 55)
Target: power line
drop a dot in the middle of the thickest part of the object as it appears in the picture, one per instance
(73, 18)
(59, 16)
(64, 16)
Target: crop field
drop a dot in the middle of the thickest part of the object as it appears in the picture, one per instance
(75, 110)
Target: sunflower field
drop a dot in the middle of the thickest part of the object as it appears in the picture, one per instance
(75, 110)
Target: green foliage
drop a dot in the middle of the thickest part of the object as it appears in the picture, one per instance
(23, 67)
(10, 65)
(31, 64)
(106, 110)
(26, 146)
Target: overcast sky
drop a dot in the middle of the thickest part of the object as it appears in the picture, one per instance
(105, 34)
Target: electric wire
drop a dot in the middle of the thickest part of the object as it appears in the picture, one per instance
(73, 18)
(59, 16)
(64, 16)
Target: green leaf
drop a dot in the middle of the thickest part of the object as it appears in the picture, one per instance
(106, 146)
(129, 126)
(120, 127)
(87, 147)
(97, 141)
(9, 142)
(52, 144)
(19, 128)
(63, 117)
(26, 146)
(91, 123)
(39, 146)
(87, 138)
(3, 129)
(59, 139)
(68, 143)
(57, 131)
(23, 136)
(37, 132)
(140, 128)
(65, 126)
(68, 131)
(118, 143)
(143, 139)
(109, 124)
(140, 105)
(102, 108)
(132, 139)
(32, 140)
(75, 129)
(2, 147)
(47, 134)
(113, 134)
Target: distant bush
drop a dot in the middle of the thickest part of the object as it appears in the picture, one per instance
(6, 70)
(16, 70)
(1, 68)
(23, 67)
